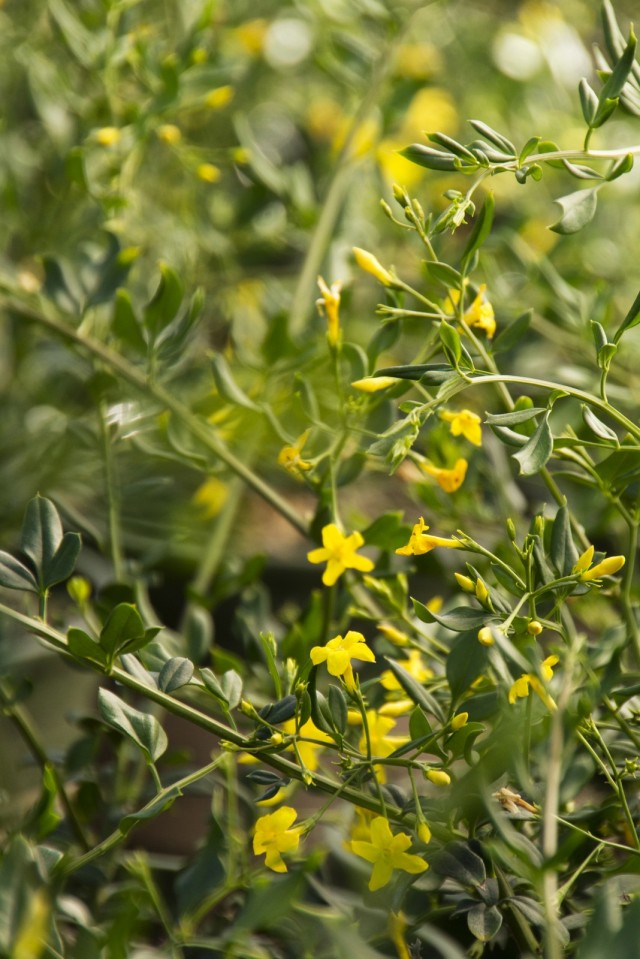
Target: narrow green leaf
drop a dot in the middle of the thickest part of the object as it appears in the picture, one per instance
(227, 386)
(508, 436)
(15, 575)
(597, 426)
(444, 274)
(231, 684)
(532, 457)
(158, 804)
(124, 323)
(466, 661)
(599, 335)
(514, 417)
(631, 319)
(620, 73)
(176, 672)
(530, 147)
(498, 140)
(460, 863)
(338, 708)
(458, 149)
(578, 209)
(620, 167)
(165, 302)
(427, 157)
(481, 229)
(458, 620)
(511, 335)
(588, 102)
(414, 690)
(450, 339)
(564, 554)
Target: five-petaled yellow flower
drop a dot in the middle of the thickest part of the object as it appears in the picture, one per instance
(387, 852)
(606, 567)
(339, 652)
(421, 542)
(448, 480)
(273, 835)
(339, 552)
(529, 681)
(329, 304)
(290, 457)
(464, 423)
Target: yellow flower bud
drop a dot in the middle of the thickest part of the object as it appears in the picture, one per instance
(371, 384)
(534, 628)
(482, 593)
(485, 636)
(107, 136)
(423, 832)
(438, 777)
(465, 583)
(607, 567)
(169, 133)
(459, 721)
(276, 739)
(220, 97)
(208, 172)
(367, 262)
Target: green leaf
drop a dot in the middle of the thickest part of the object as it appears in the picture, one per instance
(484, 922)
(631, 319)
(176, 672)
(460, 743)
(458, 620)
(458, 149)
(414, 690)
(481, 229)
(123, 625)
(63, 562)
(143, 729)
(460, 863)
(388, 531)
(564, 554)
(338, 709)
(532, 457)
(267, 903)
(511, 335)
(419, 725)
(158, 804)
(530, 147)
(620, 73)
(231, 684)
(498, 140)
(41, 534)
(427, 157)
(14, 575)
(165, 302)
(84, 44)
(279, 712)
(124, 323)
(466, 661)
(620, 167)
(597, 426)
(578, 209)
(227, 386)
(443, 273)
(588, 102)
(84, 648)
(450, 339)
(57, 289)
(514, 417)
(599, 335)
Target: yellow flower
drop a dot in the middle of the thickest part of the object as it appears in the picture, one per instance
(208, 172)
(169, 133)
(387, 852)
(339, 553)
(414, 665)
(438, 777)
(423, 831)
(382, 744)
(368, 263)
(420, 542)
(220, 97)
(465, 583)
(480, 314)
(606, 567)
(534, 628)
(307, 751)
(339, 652)
(107, 136)
(529, 681)
(290, 456)
(371, 384)
(273, 835)
(329, 304)
(448, 480)
(211, 496)
(464, 423)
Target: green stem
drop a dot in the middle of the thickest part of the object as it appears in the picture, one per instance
(113, 504)
(22, 721)
(201, 430)
(53, 638)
